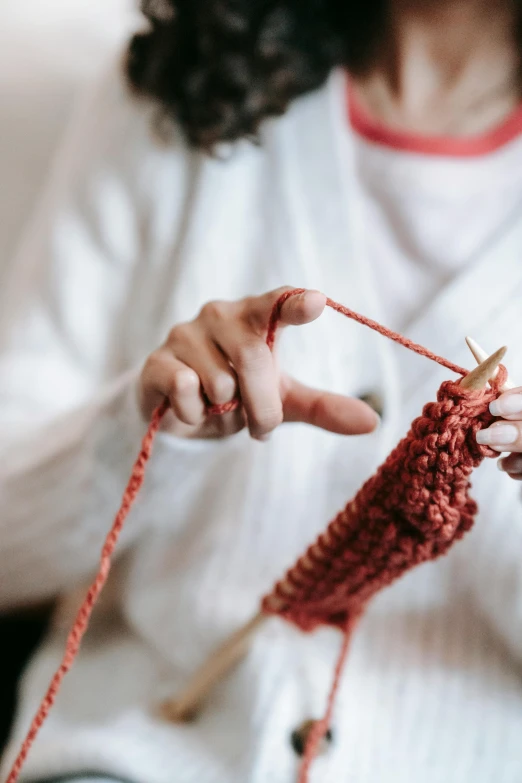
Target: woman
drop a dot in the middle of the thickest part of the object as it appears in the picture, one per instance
(232, 155)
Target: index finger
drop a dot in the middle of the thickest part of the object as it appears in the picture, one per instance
(301, 308)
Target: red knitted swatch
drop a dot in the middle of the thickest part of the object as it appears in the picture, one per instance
(412, 510)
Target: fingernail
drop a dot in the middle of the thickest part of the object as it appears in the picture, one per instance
(508, 403)
(498, 435)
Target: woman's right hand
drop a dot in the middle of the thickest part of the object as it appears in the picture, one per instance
(222, 354)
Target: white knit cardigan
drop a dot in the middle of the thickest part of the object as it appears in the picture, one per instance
(134, 236)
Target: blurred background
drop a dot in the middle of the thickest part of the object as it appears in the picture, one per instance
(49, 52)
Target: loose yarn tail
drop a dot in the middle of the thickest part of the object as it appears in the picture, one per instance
(321, 726)
(81, 622)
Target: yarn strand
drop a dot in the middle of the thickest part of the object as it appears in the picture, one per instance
(361, 319)
(321, 726)
(81, 622)
(275, 318)
(396, 337)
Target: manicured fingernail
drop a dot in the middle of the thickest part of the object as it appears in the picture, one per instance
(508, 403)
(498, 435)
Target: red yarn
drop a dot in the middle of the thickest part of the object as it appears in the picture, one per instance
(321, 726)
(412, 510)
(84, 614)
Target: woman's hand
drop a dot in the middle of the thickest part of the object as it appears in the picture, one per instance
(222, 354)
(506, 435)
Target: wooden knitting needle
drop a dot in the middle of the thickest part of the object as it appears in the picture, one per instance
(185, 706)
(478, 378)
(481, 356)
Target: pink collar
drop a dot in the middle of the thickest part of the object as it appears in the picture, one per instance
(449, 146)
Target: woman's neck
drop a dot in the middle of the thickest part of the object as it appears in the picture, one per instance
(445, 66)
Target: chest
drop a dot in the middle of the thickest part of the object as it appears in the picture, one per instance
(307, 209)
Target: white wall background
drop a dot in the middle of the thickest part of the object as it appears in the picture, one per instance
(49, 49)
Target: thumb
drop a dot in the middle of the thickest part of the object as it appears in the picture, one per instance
(332, 412)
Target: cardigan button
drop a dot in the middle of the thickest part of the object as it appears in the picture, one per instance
(374, 400)
(299, 738)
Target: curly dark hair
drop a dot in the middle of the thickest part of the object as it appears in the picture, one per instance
(220, 67)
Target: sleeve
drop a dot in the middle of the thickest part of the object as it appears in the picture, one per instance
(70, 427)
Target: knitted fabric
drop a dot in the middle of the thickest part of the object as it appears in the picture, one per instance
(412, 510)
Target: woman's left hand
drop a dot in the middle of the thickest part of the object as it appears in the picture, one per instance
(506, 435)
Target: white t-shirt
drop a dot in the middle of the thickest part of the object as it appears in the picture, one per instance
(431, 205)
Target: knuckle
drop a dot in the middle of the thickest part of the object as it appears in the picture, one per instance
(221, 387)
(215, 310)
(184, 381)
(248, 303)
(179, 334)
